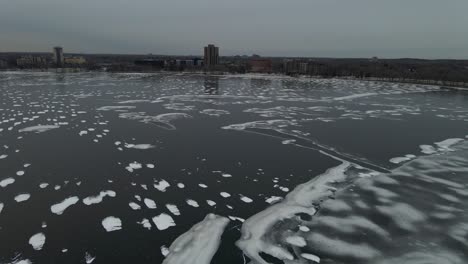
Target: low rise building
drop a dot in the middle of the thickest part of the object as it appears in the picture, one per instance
(78, 60)
(31, 61)
(261, 65)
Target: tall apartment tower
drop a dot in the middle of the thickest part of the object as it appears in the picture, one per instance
(211, 56)
(58, 56)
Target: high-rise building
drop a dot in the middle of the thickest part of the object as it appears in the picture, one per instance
(58, 56)
(211, 56)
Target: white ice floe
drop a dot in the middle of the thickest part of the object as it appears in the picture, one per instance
(273, 199)
(83, 132)
(116, 107)
(134, 166)
(22, 197)
(145, 223)
(211, 203)
(134, 206)
(311, 257)
(139, 146)
(6, 182)
(62, 206)
(98, 198)
(296, 241)
(162, 185)
(150, 166)
(214, 112)
(173, 209)
(288, 141)
(134, 101)
(349, 97)
(151, 204)
(225, 194)
(164, 251)
(39, 128)
(192, 203)
(163, 221)
(226, 175)
(203, 185)
(181, 185)
(1, 207)
(199, 244)
(37, 241)
(19, 173)
(246, 199)
(3, 156)
(300, 200)
(399, 160)
(43, 185)
(112, 223)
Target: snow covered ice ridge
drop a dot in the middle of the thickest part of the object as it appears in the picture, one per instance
(199, 244)
(347, 227)
(300, 200)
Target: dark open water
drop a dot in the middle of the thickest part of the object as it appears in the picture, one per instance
(211, 144)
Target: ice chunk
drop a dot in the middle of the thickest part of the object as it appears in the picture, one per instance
(151, 204)
(37, 241)
(192, 203)
(163, 221)
(199, 244)
(98, 198)
(39, 128)
(112, 223)
(311, 257)
(62, 206)
(22, 197)
(246, 199)
(134, 166)
(145, 223)
(296, 241)
(225, 194)
(6, 182)
(134, 206)
(115, 107)
(273, 199)
(139, 146)
(173, 209)
(161, 185)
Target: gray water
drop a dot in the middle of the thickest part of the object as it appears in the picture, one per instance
(233, 146)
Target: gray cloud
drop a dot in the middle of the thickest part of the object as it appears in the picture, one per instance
(316, 28)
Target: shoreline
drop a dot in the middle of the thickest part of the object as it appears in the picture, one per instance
(458, 86)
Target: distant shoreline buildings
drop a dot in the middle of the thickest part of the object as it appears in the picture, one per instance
(438, 72)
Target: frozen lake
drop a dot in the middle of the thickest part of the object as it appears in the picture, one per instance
(113, 168)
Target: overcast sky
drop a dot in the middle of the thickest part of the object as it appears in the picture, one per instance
(313, 28)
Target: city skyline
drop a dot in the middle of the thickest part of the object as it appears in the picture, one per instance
(364, 28)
